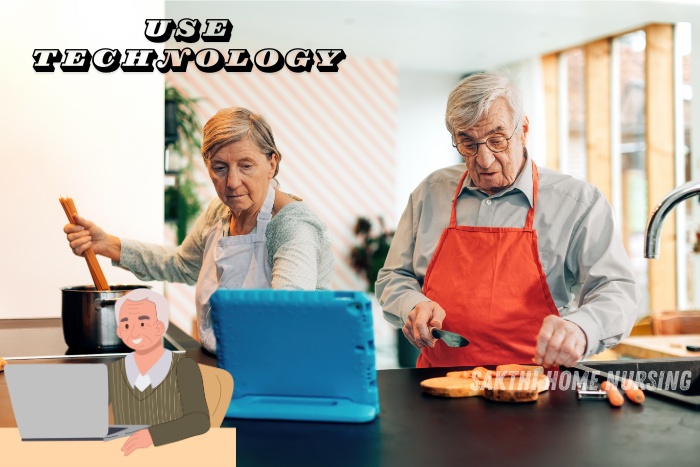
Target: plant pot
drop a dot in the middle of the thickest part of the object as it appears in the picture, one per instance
(407, 353)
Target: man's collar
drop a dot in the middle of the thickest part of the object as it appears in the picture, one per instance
(523, 182)
(157, 373)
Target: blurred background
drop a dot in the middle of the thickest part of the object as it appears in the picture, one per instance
(608, 89)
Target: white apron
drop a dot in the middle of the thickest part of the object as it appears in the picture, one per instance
(236, 262)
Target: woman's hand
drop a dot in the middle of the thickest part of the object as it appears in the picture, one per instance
(85, 234)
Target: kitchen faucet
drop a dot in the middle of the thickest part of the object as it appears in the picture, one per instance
(683, 192)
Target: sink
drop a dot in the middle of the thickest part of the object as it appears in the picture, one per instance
(674, 379)
(676, 322)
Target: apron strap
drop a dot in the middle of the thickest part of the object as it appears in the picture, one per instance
(453, 216)
(530, 214)
(265, 213)
(535, 188)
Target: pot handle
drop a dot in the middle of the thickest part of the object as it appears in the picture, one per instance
(99, 303)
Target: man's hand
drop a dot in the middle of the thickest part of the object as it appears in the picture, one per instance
(560, 342)
(424, 316)
(140, 439)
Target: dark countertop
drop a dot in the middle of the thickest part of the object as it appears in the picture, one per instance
(414, 429)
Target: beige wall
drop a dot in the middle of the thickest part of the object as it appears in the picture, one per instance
(92, 136)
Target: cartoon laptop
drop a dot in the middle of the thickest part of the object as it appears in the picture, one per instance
(62, 402)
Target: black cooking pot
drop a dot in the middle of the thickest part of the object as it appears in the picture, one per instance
(88, 316)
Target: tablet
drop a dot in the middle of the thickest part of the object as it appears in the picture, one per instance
(297, 355)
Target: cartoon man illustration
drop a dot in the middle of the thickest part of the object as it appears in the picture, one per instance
(153, 386)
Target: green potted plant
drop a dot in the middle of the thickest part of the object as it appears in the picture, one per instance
(367, 259)
(181, 202)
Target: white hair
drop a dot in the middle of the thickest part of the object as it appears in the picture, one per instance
(470, 101)
(138, 295)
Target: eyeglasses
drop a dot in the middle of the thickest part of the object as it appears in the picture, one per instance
(495, 143)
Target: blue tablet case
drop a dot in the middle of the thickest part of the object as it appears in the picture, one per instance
(297, 355)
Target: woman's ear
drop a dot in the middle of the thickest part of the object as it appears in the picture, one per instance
(274, 160)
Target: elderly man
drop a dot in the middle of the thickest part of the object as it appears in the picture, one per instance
(522, 261)
(153, 386)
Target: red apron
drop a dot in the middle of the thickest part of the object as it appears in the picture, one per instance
(490, 282)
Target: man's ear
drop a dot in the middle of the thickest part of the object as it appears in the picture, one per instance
(526, 129)
(160, 328)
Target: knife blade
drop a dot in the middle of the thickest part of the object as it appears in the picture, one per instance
(450, 338)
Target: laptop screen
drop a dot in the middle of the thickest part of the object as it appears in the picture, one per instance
(52, 401)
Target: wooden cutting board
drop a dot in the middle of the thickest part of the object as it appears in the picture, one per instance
(500, 388)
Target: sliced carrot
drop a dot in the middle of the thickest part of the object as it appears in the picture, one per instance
(632, 391)
(614, 395)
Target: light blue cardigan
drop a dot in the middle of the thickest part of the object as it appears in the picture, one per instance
(298, 248)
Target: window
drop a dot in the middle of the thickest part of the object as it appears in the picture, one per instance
(612, 103)
(573, 154)
(630, 126)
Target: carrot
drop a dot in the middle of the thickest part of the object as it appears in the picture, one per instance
(511, 367)
(614, 395)
(517, 367)
(480, 372)
(459, 374)
(632, 391)
(504, 373)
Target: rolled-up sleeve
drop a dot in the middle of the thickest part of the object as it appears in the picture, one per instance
(149, 261)
(398, 288)
(609, 296)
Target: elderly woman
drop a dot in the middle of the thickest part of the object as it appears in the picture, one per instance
(251, 236)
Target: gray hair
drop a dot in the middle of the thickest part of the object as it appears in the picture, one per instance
(235, 124)
(138, 295)
(471, 100)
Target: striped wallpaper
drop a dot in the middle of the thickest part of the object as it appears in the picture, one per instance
(337, 136)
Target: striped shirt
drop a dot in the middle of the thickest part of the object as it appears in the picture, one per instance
(175, 409)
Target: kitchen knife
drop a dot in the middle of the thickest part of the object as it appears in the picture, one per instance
(450, 338)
